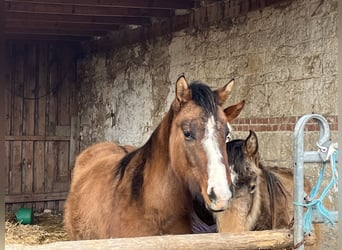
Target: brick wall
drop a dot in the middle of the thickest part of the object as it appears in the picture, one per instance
(282, 123)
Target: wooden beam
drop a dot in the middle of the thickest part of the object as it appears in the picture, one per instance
(46, 37)
(77, 18)
(60, 32)
(73, 9)
(154, 4)
(268, 239)
(19, 198)
(36, 138)
(12, 25)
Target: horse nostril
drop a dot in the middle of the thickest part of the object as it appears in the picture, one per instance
(212, 195)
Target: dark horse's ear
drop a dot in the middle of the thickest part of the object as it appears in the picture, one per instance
(223, 92)
(233, 111)
(183, 92)
(251, 144)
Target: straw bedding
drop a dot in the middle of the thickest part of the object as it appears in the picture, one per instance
(46, 228)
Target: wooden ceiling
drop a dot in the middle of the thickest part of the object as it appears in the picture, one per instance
(83, 19)
(125, 20)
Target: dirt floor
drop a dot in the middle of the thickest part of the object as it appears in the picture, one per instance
(46, 228)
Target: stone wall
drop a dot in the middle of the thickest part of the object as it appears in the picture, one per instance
(283, 59)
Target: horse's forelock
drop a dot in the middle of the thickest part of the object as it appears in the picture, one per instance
(235, 154)
(203, 96)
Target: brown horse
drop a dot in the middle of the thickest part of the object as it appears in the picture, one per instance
(149, 190)
(263, 197)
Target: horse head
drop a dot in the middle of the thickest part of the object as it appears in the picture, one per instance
(197, 141)
(243, 158)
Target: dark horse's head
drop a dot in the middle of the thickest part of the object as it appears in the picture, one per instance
(197, 141)
(243, 158)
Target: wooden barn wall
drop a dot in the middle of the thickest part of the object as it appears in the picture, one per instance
(41, 122)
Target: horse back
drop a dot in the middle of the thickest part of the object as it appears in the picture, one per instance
(92, 179)
(277, 198)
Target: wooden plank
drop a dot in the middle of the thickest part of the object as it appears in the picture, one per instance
(63, 166)
(39, 146)
(39, 167)
(63, 109)
(74, 135)
(51, 32)
(77, 19)
(8, 109)
(268, 239)
(156, 4)
(61, 204)
(33, 197)
(28, 116)
(63, 96)
(57, 8)
(52, 121)
(17, 119)
(65, 129)
(70, 26)
(37, 138)
(7, 167)
(16, 168)
(46, 37)
(42, 86)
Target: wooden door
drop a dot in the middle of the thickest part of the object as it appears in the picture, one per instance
(42, 125)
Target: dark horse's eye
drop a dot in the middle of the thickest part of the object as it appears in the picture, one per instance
(187, 134)
(189, 130)
(252, 188)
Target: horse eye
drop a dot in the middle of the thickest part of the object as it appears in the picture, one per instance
(187, 134)
(252, 188)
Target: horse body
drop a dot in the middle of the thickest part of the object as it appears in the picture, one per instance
(128, 192)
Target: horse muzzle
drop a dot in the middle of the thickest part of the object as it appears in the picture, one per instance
(218, 204)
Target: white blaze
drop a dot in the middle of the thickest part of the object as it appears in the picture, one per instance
(216, 169)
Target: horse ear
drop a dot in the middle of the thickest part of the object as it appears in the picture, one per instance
(233, 111)
(183, 92)
(223, 92)
(251, 144)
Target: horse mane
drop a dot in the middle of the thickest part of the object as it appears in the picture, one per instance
(275, 187)
(204, 97)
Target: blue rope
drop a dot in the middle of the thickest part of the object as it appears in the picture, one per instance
(317, 204)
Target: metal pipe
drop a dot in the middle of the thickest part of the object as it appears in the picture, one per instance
(299, 158)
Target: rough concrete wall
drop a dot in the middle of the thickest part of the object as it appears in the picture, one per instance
(124, 93)
(284, 60)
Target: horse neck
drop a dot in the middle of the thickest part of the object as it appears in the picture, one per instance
(158, 143)
(158, 173)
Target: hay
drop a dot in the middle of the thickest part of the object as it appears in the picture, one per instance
(46, 228)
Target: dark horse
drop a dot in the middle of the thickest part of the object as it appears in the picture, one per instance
(263, 198)
(149, 191)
